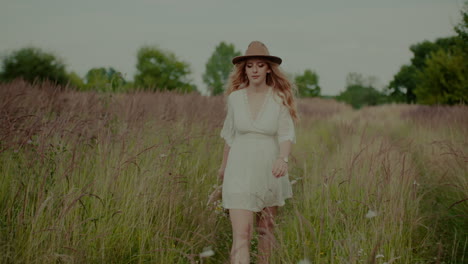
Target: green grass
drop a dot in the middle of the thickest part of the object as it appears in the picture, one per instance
(93, 178)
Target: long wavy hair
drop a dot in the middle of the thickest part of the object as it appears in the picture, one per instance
(277, 79)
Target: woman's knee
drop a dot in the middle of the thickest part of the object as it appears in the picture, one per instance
(242, 221)
(265, 226)
(265, 221)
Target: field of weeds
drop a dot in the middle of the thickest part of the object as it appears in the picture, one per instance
(124, 178)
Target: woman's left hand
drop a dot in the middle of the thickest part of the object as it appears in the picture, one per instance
(280, 167)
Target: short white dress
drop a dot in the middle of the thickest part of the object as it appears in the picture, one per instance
(249, 182)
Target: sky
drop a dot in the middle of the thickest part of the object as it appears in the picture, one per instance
(330, 37)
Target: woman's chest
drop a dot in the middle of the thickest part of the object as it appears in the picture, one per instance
(257, 114)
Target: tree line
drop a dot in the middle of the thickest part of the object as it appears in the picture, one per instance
(156, 69)
(437, 73)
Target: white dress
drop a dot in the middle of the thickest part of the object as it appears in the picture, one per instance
(249, 182)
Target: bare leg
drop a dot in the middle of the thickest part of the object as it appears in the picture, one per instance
(242, 225)
(266, 238)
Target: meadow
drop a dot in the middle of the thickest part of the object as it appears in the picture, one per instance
(92, 177)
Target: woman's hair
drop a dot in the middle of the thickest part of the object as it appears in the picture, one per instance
(277, 79)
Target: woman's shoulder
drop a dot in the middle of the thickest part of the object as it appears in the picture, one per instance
(234, 94)
(277, 98)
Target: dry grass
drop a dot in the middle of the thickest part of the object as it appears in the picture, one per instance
(124, 178)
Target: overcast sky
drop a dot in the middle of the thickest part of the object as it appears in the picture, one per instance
(331, 37)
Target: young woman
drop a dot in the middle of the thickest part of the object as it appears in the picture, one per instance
(258, 131)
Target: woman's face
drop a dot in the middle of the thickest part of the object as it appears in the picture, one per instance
(256, 70)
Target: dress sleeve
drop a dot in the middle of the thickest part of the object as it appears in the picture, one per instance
(228, 131)
(286, 130)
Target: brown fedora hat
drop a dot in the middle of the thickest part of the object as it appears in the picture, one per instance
(257, 49)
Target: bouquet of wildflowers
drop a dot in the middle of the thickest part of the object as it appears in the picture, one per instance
(214, 200)
(216, 195)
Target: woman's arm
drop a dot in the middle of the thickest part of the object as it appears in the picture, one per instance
(285, 148)
(280, 167)
(226, 150)
(286, 137)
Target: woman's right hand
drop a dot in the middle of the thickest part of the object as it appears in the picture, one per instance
(221, 173)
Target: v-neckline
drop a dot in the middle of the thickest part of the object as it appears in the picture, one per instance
(260, 111)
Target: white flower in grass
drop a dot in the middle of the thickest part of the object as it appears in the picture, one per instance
(207, 252)
(304, 261)
(371, 214)
(295, 180)
(162, 155)
(219, 209)
(379, 256)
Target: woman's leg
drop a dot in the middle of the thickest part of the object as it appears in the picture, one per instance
(242, 225)
(266, 238)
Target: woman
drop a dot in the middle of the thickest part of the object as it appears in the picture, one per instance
(258, 131)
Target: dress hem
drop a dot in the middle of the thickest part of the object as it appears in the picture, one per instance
(256, 210)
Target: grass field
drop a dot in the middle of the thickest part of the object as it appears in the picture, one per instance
(125, 178)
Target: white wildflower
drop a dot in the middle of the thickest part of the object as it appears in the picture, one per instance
(379, 256)
(207, 252)
(304, 261)
(162, 155)
(371, 214)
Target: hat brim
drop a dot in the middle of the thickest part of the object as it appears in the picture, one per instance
(274, 59)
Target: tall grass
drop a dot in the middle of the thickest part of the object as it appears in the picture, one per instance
(124, 178)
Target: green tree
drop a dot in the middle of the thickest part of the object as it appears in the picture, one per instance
(401, 88)
(444, 80)
(462, 28)
(218, 67)
(76, 81)
(161, 70)
(354, 78)
(33, 64)
(422, 50)
(360, 91)
(102, 79)
(307, 84)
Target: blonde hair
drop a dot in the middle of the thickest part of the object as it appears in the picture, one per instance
(277, 79)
